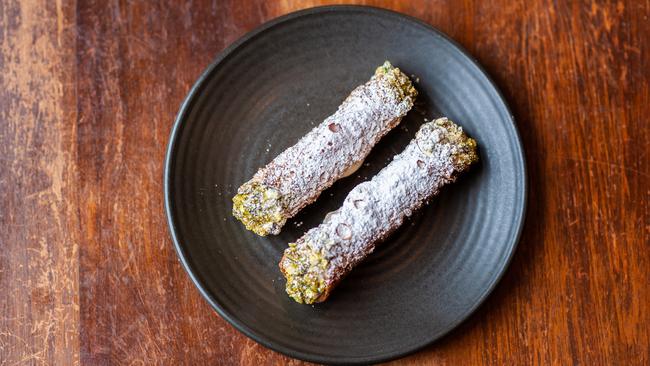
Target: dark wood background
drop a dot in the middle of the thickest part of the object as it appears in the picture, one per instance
(88, 93)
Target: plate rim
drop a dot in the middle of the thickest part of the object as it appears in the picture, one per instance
(233, 320)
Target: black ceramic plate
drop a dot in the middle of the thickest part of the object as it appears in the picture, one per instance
(266, 91)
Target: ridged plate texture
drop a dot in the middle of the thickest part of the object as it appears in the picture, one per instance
(266, 91)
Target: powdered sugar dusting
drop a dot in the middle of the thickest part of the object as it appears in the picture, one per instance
(375, 208)
(314, 163)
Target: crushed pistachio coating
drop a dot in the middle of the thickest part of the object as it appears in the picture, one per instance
(304, 269)
(464, 153)
(398, 79)
(259, 208)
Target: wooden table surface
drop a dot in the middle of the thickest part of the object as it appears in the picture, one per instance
(88, 93)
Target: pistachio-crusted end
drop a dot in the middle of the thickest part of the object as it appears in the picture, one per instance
(259, 208)
(444, 131)
(465, 153)
(305, 270)
(398, 79)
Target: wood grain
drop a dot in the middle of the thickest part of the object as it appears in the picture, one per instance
(40, 231)
(88, 93)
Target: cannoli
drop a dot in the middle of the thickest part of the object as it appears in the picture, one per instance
(316, 262)
(332, 150)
